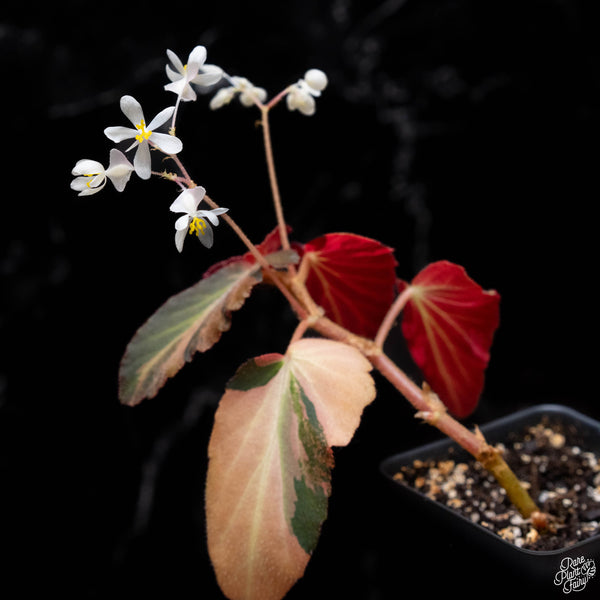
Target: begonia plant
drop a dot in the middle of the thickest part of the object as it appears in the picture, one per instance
(271, 448)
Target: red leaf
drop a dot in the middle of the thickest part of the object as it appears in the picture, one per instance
(352, 278)
(449, 324)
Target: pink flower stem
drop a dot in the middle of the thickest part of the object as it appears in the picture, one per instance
(281, 224)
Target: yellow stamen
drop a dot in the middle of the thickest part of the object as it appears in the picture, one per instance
(197, 226)
(91, 178)
(143, 135)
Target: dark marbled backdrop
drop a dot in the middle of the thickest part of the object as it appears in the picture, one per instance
(452, 129)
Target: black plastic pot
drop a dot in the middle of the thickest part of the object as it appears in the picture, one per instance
(542, 569)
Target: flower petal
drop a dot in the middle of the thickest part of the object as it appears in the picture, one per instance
(171, 74)
(118, 134)
(299, 99)
(117, 158)
(209, 75)
(219, 211)
(86, 186)
(188, 94)
(91, 191)
(162, 117)
(169, 144)
(211, 215)
(207, 236)
(177, 87)
(132, 109)
(119, 170)
(198, 194)
(86, 166)
(120, 178)
(207, 214)
(176, 62)
(197, 57)
(182, 204)
(180, 236)
(79, 184)
(188, 200)
(182, 223)
(309, 107)
(142, 161)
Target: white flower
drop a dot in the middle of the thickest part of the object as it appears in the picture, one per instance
(142, 133)
(91, 175)
(195, 71)
(301, 96)
(194, 220)
(249, 93)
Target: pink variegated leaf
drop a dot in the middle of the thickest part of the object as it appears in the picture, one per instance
(269, 473)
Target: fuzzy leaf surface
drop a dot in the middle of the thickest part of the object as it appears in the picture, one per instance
(270, 461)
(449, 325)
(189, 322)
(193, 320)
(352, 278)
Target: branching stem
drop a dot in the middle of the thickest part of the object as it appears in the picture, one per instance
(428, 406)
(431, 410)
(268, 271)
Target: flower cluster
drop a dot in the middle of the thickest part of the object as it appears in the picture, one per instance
(249, 94)
(91, 176)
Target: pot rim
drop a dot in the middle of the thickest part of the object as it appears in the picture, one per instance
(388, 467)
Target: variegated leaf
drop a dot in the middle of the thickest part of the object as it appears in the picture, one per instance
(269, 475)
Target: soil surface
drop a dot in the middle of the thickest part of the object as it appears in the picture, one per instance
(562, 477)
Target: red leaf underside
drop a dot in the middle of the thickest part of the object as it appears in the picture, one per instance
(449, 324)
(352, 278)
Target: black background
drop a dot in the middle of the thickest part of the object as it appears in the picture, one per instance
(451, 129)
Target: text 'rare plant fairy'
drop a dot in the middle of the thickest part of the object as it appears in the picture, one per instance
(270, 452)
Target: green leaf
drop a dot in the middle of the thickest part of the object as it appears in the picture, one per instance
(189, 322)
(256, 372)
(269, 474)
(311, 505)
